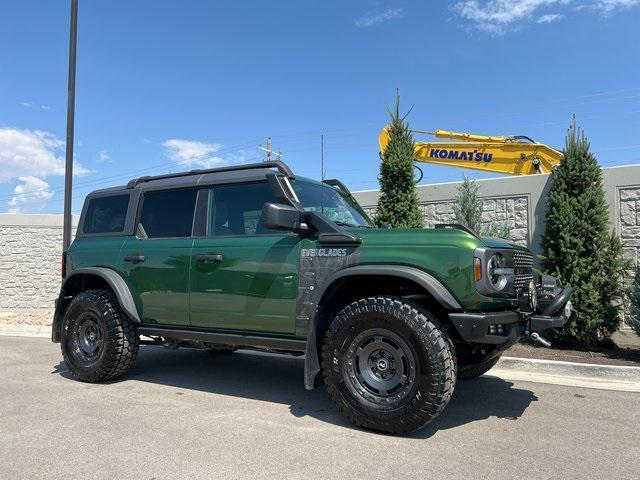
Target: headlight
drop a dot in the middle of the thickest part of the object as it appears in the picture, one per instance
(494, 272)
(497, 273)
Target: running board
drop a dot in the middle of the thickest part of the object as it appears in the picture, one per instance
(269, 343)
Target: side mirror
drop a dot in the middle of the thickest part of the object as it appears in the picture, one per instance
(277, 215)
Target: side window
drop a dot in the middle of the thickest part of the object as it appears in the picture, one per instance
(106, 214)
(236, 209)
(168, 214)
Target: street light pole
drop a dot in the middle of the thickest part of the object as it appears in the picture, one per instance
(71, 102)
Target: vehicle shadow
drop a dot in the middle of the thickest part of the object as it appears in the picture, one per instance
(279, 379)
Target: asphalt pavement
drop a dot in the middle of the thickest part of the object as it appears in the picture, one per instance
(188, 414)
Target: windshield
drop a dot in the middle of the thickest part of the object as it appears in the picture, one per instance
(335, 205)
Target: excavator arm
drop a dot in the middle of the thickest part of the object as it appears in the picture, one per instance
(518, 155)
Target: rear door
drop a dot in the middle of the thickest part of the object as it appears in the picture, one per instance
(243, 276)
(157, 259)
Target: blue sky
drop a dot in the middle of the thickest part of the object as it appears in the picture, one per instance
(172, 85)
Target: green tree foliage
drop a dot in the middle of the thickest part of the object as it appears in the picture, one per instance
(398, 203)
(577, 247)
(634, 303)
(468, 211)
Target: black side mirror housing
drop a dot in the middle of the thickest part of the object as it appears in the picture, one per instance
(278, 215)
(286, 217)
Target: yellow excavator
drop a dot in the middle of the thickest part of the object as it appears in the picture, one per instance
(518, 155)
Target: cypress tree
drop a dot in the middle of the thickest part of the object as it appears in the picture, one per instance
(577, 247)
(634, 303)
(398, 204)
(468, 211)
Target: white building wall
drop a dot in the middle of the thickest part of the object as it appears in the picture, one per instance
(30, 256)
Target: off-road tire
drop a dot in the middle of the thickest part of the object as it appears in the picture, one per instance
(424, 344)
(117, 337)
(474, 370)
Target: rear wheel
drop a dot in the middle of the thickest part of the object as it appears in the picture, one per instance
(388, 365)
(99, 342)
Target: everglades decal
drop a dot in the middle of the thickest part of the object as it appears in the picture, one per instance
(323, 252)
(316, 267)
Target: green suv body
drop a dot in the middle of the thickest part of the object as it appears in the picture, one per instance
(255, 257)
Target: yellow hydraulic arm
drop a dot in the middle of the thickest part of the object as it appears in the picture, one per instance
(518, 155)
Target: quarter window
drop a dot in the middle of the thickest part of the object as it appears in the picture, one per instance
(236, 209)
(168, 214)
(106, 214)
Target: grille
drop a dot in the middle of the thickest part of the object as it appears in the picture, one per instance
(523, 269)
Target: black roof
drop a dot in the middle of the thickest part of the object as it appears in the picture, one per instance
(246, 172)
(281, 166)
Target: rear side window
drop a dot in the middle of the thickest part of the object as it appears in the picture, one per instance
(168, 214)
(106, 214)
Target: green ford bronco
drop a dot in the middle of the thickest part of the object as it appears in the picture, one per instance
(254, 257)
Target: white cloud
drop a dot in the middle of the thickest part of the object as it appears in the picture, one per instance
(608, 6)
(103, 157)
(498, 16)
(32, 153)
(495, 15)
(549, 18)
(192, 153)
(30, 196)
(375, 18)
(30, 104)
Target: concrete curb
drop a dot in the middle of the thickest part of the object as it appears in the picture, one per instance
(586, 375)
(40, 331)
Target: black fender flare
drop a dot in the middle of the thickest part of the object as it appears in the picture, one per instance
(113, 279)
(427, 281)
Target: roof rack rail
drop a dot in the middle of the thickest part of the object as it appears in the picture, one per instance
(457, 226)
(333, 182)
(281, 166)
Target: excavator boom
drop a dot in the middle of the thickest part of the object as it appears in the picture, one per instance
(500, 154)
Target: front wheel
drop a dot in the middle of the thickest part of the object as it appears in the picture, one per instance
(388, 365)
(99, 342)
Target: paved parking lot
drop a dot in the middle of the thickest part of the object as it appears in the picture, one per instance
(187, 414)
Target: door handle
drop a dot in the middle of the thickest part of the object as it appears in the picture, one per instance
(135, 258)
(209, 257)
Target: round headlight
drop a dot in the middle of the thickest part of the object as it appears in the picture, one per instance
(494, 266)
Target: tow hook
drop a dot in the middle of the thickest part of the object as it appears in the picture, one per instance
(542, 341)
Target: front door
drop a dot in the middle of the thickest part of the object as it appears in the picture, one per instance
(243, 276)
(157, 260)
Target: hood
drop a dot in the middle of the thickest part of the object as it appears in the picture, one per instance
(413, 236)
(501, 243)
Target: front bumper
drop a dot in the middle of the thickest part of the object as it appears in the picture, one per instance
(498, 328)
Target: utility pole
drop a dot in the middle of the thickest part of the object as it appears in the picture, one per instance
(269, 151)
(71, 102)
(322, 157)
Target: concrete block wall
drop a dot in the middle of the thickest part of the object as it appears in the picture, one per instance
(630, 222)
(30, 255)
